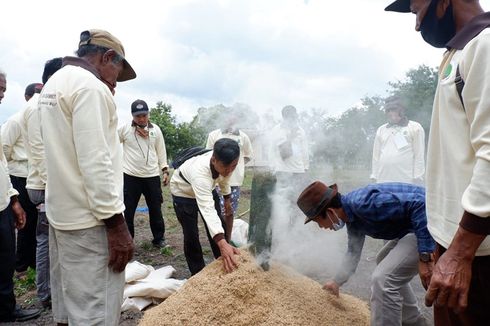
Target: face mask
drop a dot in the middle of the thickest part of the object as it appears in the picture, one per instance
(340, 222)
(437, 32)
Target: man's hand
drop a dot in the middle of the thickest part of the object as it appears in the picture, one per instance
(228, 255)
(20, 215)
(166, 178)
(120, 243)
(450, 282)
(425, 272)
(332, 287)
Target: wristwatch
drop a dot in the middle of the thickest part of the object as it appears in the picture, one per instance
(425, 257)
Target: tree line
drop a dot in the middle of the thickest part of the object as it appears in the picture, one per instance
(342, 141)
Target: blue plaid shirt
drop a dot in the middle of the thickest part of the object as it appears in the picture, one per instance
(383, 211)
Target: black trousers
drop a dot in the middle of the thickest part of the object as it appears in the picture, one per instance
(7, 263)
(26, 237)
(151, 188)
(187, 210)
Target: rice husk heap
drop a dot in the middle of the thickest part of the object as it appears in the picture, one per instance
(250, 296)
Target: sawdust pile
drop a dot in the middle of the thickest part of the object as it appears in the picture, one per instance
(250, 296)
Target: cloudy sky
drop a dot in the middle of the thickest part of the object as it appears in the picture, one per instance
(192, 53)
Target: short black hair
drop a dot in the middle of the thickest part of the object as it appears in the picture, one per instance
(33, 88)
(92, 49)
(226, 150)
(335, 202)
(50, 67)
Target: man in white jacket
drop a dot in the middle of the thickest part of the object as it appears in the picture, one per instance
(11, 216)
(89, 241)
(145, 157)
(193, 191)
(399, 147)
(14, 150)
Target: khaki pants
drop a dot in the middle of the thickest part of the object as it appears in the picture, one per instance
(84, 290)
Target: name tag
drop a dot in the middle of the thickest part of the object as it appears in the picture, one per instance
(400, 141)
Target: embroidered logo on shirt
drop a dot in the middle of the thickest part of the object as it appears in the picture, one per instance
(447, 71)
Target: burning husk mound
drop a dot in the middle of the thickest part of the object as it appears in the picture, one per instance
(250, 296)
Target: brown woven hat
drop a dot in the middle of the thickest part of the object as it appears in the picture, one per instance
(315, 198)
(103, 38)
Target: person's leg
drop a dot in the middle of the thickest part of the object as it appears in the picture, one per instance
(390, 276)
(132, 192)
(42, 250)
(235, 198)
(60, 315)
(7, 264)
(187, 216)
(26, 237)
(92, 292)
(152, 190)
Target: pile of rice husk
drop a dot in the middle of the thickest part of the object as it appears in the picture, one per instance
(250, 296)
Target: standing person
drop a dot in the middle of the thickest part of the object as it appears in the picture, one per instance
(145, 157)
(458, 160)
(15, 153)
(399, 147)
(388, 211)
(10, 209)
(89, 241)
(193, 191)
(232, 132)
(36, 184)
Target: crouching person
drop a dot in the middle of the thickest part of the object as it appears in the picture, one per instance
(388, 211)
(193, 191)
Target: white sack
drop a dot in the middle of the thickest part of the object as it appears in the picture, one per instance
(136, 270)
(153, 287)
(136, 304)
(239, 233)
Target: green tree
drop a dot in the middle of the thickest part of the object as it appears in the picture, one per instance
(178, 136)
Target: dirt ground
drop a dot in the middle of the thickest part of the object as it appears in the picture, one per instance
(358, 285)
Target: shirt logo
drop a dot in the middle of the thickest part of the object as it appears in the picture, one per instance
(447, 71)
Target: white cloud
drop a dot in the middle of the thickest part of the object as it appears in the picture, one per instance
(317, 53)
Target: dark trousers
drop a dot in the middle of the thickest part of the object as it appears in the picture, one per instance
(7, 263)
(26, 237)
(187, 210)
(151, 188)
(478, 311)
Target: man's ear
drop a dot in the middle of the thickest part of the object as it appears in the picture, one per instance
(334, 187)
(107, 56)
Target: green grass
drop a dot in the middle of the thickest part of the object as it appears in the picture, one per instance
(167, 251)
(25, 283)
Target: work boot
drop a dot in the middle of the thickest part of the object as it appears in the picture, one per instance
(160, 244)
(22, 315)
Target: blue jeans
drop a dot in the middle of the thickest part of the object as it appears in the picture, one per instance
(42, 250)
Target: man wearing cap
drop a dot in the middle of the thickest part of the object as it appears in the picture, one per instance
(145, 157)
(36, 183)
(388, 211)
(399, 147)
(89, 241)
(13, 131)
(11, 216)
(458, 159)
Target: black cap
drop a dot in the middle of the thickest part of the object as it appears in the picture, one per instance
(399, 6)
(139, 107)
(33, 88)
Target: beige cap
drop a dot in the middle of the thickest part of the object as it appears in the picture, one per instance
(103, 38)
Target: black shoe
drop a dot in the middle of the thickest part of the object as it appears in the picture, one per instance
(160, 244)
(46, 303)
(22, 315)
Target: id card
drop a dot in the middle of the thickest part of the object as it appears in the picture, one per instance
(400, 141)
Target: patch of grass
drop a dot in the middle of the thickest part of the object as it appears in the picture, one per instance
(25, 283)
(167, 251)
(146, 245)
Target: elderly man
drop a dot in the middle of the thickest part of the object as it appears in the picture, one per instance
(388, 211)
(10, 208)
(458, 158)
(399, 147)
(145, 157)
(89, 241)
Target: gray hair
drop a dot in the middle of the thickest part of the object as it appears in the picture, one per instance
(2, 73)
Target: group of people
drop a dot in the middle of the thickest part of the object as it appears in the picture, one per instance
(447, 222)
(65, 177)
